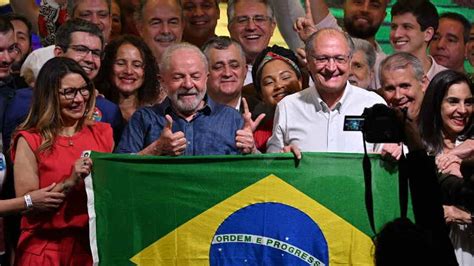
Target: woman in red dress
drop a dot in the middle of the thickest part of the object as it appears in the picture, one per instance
(275, 75)
(47, 149)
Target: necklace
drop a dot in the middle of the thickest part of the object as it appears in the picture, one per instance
(69, 141)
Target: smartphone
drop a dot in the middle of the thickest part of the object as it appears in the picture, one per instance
(353, 123)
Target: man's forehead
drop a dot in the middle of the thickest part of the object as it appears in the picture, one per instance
(89, 5)
(447, 23)
(19, 25)
(162, 9)
(199, 1)
(227, 54)
(6, 39)
(382, 2)
(248, 7)
(327, 40)
(86, 39)
(400, 75)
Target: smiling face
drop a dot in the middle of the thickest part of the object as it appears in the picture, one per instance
(200, 18)
(185, 81)
(362, 18)
(406, 34)
(456, 109)
(401, 88)
(72, 110)
(89, 61)
(252, 34)
(22, 39)
(447, 46)
(8, 53)
(330, 77)
(97, 12)
(227, 71)
(128, 70)
(161, 25)
(278, 79)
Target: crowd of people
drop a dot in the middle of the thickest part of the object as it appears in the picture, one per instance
(151, 77)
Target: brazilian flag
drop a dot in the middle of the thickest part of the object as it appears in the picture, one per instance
(236, 210)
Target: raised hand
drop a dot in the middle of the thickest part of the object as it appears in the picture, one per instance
(169, 143)
(244, 137)
(304, 26)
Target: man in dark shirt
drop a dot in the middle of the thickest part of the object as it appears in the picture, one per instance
(8, 53)
(187, 122)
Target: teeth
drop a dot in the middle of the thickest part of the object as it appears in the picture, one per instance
(401, 42)
(87, 69)
(252, 37)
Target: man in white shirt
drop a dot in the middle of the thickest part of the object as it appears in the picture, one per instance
(313, 119)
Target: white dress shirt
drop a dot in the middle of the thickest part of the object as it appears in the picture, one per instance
(304, 120)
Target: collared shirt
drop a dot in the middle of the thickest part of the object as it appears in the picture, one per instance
(434, 69)
(212, 130)
(303, 119)
(248, 78)
(331, 22)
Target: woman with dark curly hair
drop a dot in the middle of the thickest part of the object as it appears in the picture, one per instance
(128, 76)
(275, 75)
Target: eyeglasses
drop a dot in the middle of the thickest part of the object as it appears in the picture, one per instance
(84, 50)
(70, 93)
(257, 19)
(324, 59)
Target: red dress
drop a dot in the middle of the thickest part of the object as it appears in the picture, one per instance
(53, 238)
(262, 134)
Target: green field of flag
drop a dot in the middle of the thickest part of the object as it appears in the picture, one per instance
(236, 210)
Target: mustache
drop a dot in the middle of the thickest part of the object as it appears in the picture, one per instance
(185, 91)
(164, 38)
(5, 63)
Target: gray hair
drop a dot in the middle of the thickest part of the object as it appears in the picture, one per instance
(72, 4)
(367, 49)
(309, 47)
(402, 60)
(221, 43)
(164, 64)
(138, 14)
(231, 9)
